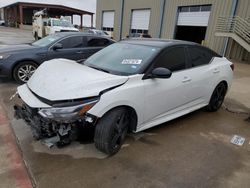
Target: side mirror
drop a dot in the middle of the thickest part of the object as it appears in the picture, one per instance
(161, 72)
(57, 46)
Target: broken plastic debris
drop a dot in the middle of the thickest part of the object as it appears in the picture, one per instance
(50, 142)
(238, 140)
(13, 96)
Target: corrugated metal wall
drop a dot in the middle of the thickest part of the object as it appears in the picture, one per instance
(107, 5)
(235, 51)
(130, 5)
(219, 8)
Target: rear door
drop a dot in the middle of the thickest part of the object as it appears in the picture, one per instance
(202, 73)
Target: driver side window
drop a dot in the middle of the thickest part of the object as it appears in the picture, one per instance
(73, 42)
(172, 59)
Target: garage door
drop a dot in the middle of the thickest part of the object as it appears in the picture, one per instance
(108, 19)
(140, 19)
(194, 15)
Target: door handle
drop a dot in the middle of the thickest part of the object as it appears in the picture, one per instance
(79, 52)
(216, 70)
(186, 79)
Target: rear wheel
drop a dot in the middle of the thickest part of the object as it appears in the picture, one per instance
(217, 97)
(111, 131)
(23, 71)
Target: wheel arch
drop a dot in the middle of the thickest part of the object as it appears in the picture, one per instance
(225, 82)
(19, 62)
(132, 113)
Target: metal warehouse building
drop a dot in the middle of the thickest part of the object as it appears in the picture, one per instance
(222, 25)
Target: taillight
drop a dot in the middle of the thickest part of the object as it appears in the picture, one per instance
(232, 66)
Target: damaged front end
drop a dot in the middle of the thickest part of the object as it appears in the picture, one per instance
(60, 123)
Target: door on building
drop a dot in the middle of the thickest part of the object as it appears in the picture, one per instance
(108, 22)
(140, 22)
(192, 23)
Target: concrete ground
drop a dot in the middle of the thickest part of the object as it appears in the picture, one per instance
(191, 151)
(11, 36)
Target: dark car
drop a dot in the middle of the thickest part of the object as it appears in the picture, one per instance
(20, 61)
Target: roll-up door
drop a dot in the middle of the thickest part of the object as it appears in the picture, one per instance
(108, 19)
(140, 19)
(192, 23)
(194, 16)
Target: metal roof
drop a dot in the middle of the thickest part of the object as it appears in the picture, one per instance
(50, 6)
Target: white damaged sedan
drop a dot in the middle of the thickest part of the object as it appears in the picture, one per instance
(129, 86)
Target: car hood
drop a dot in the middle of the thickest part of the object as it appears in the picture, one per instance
(61, 79)
(16, 48)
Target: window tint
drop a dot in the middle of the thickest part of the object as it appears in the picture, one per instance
(199, 56)
(173, 59)
(73, 42)
(98, 42)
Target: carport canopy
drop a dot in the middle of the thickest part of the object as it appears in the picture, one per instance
(15, 12)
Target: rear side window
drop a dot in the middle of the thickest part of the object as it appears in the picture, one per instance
(199, 56)
(72, 42)
(173, 59)
(98, 42)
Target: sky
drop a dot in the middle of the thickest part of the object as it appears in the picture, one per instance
(88, 5)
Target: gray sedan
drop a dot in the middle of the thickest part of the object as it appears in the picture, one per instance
(20, 61)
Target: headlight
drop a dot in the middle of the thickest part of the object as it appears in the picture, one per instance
(4, 56)
(66, 113)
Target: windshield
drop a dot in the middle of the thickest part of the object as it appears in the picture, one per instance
(98, 32)
(46, 41)
(122, 58)
(62, 23)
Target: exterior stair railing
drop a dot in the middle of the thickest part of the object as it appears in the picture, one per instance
(236, 28)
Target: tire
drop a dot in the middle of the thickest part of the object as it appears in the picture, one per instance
(111, 130)
(217, 97)
(23, 71)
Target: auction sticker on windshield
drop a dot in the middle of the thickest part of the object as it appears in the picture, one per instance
(131, 61)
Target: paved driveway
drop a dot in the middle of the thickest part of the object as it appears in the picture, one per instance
(10, 36)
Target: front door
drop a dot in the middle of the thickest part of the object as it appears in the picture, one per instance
(165, 97)
(73, 48)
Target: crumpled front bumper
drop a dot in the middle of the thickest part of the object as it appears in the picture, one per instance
(49, 131)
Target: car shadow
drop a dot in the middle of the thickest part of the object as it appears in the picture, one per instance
(86, 135)
(7, 81)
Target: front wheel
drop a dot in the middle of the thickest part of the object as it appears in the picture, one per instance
(111, 131)
(217, 97)
(23, 71)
